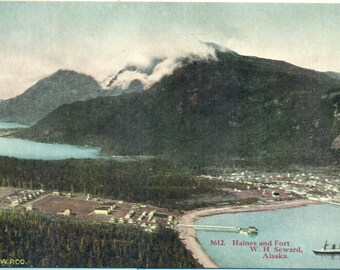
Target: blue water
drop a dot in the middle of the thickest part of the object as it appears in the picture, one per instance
(26, 149)
(306, 227)
(5, 125)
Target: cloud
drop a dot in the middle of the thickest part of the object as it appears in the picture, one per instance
(124, 79)
(165, 68)
(22, 67)
(100, 39)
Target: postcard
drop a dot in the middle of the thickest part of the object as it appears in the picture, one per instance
(169, 135)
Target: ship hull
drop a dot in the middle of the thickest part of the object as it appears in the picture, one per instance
(327, 251)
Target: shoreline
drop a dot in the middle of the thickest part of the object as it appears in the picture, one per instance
(188, 235)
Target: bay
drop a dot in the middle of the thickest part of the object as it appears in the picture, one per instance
(7, 125)
(305, 227)
(26, 149)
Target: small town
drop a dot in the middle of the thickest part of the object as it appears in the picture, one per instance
(318, 185)
(87, 208)
(262, 188)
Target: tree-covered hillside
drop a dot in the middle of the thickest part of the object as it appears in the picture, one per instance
(46, 241)
(154, 182)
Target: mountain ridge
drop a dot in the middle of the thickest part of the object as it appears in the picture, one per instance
(63, 86)
(208, 112)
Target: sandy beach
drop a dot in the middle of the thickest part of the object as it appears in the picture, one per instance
(188, 235)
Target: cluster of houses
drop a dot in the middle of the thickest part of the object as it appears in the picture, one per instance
(145, 219)
(318, 188)
(102, 210)
(66, 194)
(105, 209)
(25, 196)
(117, 212)
(314, 185)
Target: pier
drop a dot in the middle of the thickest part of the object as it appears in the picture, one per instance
(249, 230)
(332, 203)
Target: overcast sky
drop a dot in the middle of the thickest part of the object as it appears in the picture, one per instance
(38, 38)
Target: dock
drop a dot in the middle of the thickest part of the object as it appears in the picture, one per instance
(332, 203)
(249, 230)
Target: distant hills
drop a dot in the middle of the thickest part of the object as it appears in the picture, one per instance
(210, 112)
(62, 87)
(66, 86)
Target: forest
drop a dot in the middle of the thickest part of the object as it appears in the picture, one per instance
(47, 241)
(153, 181)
